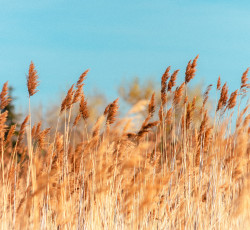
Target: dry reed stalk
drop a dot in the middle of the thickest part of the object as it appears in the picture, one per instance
(10, 134)
(79, 86)
(168, 118)
(223, 97)
(124, 181)
(185, 100)
(178, 93)
(164, 79)
(22, 130)
(3, 126)
(193, 103)
(112, 110)
(36, 130)
(145, 128)
(41, 137)
(232, 100)
(160, 114)
(205, 96)
(218, 86)
(32, 80)
(189, 115)
(244, 80)
(172, 80)
(151, 106)
(96, 128)
(191, 69)
(4, 98)
(67, 102)
(83, 109)
(77, 119)
(106, 110)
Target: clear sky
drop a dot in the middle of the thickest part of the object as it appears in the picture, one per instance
(118, 40)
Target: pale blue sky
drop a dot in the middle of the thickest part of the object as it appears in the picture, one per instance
(118, 40)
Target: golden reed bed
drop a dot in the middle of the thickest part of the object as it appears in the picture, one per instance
(182, 169)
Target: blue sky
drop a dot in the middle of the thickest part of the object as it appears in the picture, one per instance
(118, 40)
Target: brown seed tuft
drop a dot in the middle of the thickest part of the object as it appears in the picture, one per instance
(168, 118)
(160, 114)
(112, 112)
(164, 79)
(172, 80)
(219, 84)
(41, 137)
(205, 96)
(22, 130)
(151, 106)
(191, 69)
(244, 79)
(4, 98)
(10, 134)
(3, 119)
(178, 94)
(232, 100)
(145, 128)
(96, 128)
(223, 97)
(32, 80)
(77, 119)
(67, 102)
(83, 108)
(79, 86)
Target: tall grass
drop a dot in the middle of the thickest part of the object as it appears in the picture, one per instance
(182, 169)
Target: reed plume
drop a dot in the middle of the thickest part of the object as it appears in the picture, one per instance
(232, 100)
(32, 80)
(83, 108)
(168, 118)
(3, 126)
(4, 98)
(10, 134)
(22, 129)
(218, 87)
(112, 112)
(185, 174)
(164, 79)
(151, 106)
(79, 86)
(191, 69)
(178, 93)
(146, 128)
(223, 97)
(205, 96)
(244, 79)
(172, 80)
(67, 101)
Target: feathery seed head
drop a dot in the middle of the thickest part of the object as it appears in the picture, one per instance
(32, 80)
(219, 84)
(172, 80)
(112, 111)
(4, 98)
(151, 106)
(232, 100)
(83, 108)
(191, 69)
(164, 79)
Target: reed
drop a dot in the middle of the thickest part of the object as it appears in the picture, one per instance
(177, 170)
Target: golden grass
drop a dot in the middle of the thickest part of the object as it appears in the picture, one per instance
(182, 171)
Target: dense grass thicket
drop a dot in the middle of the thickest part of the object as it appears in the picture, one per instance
(184, 168)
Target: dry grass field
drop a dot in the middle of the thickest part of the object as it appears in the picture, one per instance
(184, 168)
